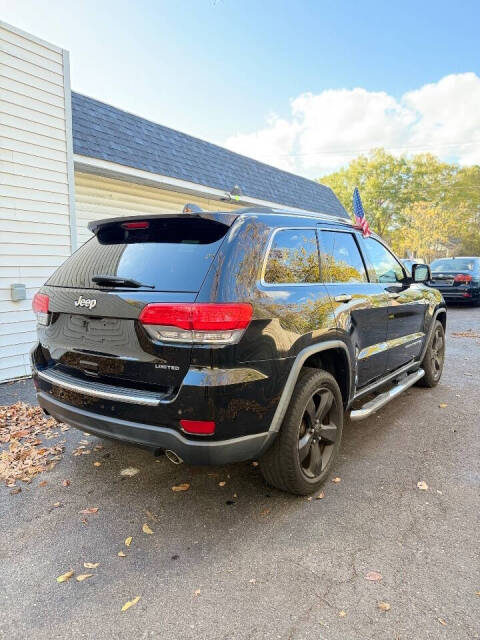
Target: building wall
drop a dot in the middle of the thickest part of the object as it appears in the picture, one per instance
(34, 184)
(98, 197)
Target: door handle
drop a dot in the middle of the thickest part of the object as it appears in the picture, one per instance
(393, 295)
(344, 297)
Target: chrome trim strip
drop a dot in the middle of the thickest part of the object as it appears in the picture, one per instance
(389, 344)
(294, 373)
(382, 399)
(379, 383)
(95, 390)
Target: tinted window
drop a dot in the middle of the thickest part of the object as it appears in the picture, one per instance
(293, 257)
(172, 254)
(454, 264)
(385, 265)
(340, 258)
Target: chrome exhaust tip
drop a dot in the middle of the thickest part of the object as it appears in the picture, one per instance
(173, 457)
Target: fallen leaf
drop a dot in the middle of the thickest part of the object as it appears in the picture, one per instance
(43, 483)
(254, 463)
(121, 554)
(320, 496)
(235, 495)
(265, 512)
(129, 471)
(130, 603)
(374, 576)
(128, 541)
(97, 464)
(65, 576)
(83, 576)
(84, 521)
(422, 485)
(336, 480)
(342, 613)
(181, 487)
(253, 581)
(222, 483)
(89, 510)
(443, 405)
(57, 504)
(146, 529)
(310, 498)
(197, 592)
(442, 621)
(66, 483)
(91, 565)
(15, 490)
(384, 606)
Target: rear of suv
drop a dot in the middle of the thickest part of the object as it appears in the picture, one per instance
(224, 337)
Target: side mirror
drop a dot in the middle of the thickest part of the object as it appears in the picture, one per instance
(421, 272)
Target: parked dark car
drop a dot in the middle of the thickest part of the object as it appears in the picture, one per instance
(458, 279)
(223, 337)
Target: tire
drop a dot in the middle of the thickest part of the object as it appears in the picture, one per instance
(434, 358)
(307, 445)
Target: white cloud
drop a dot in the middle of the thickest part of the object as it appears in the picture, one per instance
(327, 130)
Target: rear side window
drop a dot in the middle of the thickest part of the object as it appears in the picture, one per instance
(293, 257)
(171, 254)
(340, 258)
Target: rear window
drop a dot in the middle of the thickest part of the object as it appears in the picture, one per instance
(169, 255)
(454, 264)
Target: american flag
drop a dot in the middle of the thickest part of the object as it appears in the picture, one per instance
(360, 219)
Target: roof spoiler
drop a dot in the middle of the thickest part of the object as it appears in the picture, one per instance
(226, 219)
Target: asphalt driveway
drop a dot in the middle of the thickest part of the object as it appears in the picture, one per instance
(245, 561)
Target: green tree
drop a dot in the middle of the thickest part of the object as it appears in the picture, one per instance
(408, 199)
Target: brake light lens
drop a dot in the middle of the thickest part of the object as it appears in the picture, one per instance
(207, 323)
(462, 277)
(141, 224)
(198, 427)
(40, 304)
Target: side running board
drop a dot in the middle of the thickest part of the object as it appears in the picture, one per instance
(381, 400)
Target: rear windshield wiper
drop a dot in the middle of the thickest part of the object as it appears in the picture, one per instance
(117, 281)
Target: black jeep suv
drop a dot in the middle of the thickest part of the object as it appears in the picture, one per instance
(222, 337)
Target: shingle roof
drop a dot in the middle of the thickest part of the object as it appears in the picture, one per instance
(105, 132)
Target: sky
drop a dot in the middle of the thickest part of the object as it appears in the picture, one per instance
(306, 85)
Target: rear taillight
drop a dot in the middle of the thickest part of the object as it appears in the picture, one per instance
(40, 304)
(204, 323)
(462, 277)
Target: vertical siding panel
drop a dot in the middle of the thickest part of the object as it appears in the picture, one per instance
(33, 183)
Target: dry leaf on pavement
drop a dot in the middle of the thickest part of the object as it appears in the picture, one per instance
(443, 405)
(336, 480)
(130, 603)
(197, 592)
(374, 576)
(442, 621)
(121, 554)
(146, 529)
(320, 496)
(83, 576)
(66, 483)
(97, 464)
(65, 576)
(129, 472)
(422, 485)
(342, 613)
(89, 510)
(222, 483)
(91, 565)
(128, 541)
(181, 487)
(384, 606)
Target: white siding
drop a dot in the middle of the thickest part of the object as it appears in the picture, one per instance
(34, 189)
(98, 197)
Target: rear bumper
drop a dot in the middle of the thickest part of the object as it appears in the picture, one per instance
(156, 437)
